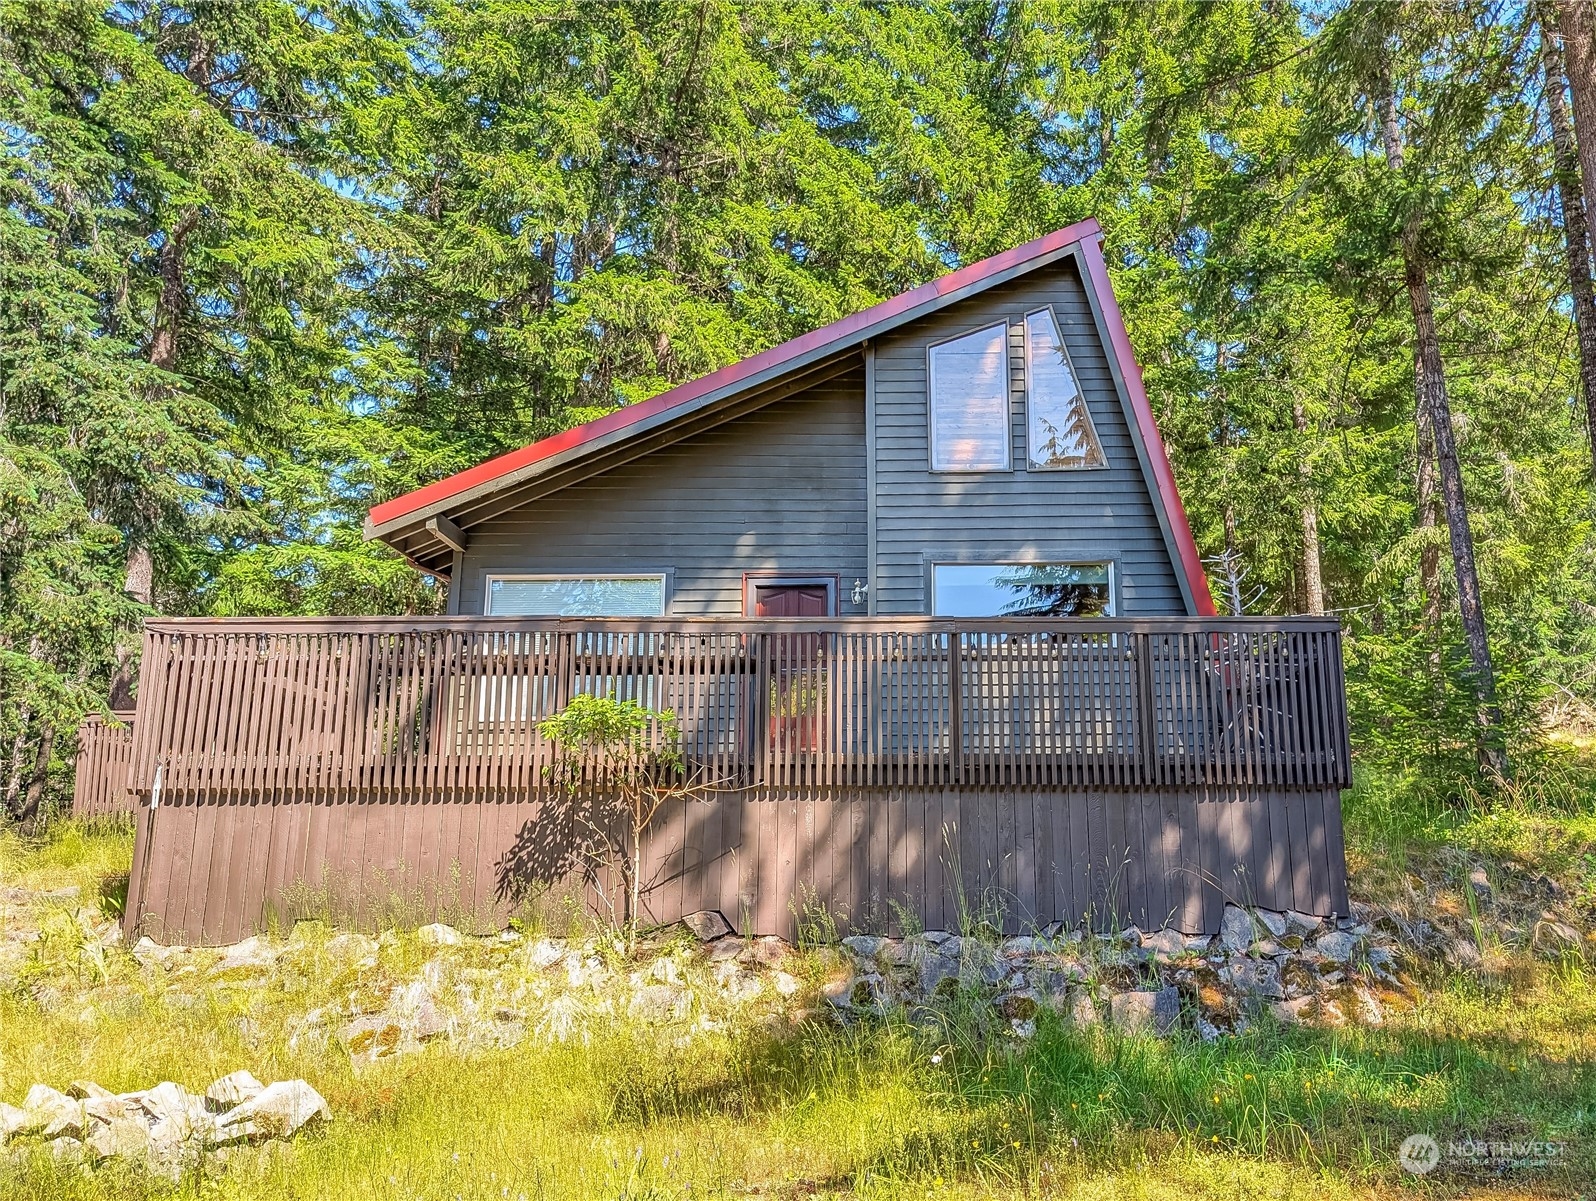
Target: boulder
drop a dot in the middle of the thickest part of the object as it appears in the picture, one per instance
(438, 935)
(544, 953)
(1272, 921)
(767, 950)
(108, 1109)
(786, 985)
(1303, 925)
(125, 1137)
(351, 946)
(86, 1090)
(1556, 938)
(707, 925)
(1236, 930)
(233, 1089)
(1254, 977)
(935, 970)
(1292, 1012)
(12, 1121)
(865, 946)
(1080, 1010)
(1481, 884)
(1338, 946)
(1146, 1010)
(1367, 1007)
(897, 952)
(174, 1116)
(372, 1037)
(50, 1113)
(1165, 944)
(1019, 1006)
(1462, 953)
(279, 1110)
(868, 992)
(659, 1003)
(242, 958)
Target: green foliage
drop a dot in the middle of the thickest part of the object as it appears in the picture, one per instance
(604, 734)
(265, 268)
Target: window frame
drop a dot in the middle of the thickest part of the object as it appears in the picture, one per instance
(492, 577)
(1008, 401)
(1069, 361)
(1112, 609)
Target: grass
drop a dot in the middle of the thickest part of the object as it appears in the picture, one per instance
(763, 1106)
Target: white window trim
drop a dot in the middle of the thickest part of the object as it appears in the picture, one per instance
(1113, 578)
(1025, 334)
(492, 577)
(1008, 406)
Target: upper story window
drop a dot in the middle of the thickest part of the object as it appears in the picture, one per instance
(1022, 590)
(969, 399)
(1059, 432)
(576, 596)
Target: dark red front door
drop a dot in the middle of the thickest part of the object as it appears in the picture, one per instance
(792, 600)
(798, 673)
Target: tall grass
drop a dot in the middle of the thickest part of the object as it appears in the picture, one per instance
(936, 1102)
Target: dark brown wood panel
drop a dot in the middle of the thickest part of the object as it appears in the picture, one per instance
(206, 874)
(105, 752)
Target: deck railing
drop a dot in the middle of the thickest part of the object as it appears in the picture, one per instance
(100, 785)
(339, 709)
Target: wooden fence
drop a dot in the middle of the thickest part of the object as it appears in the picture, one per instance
(411, 747)
(105, 752)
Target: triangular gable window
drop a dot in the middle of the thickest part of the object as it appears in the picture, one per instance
(1059, 429)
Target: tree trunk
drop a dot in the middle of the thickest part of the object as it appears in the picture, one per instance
(28, 815)
(1428, 510)
(1577, 21)
(19, 748)
(1435, 411)
(1576, 240)
(1312, 574)
(139, 582)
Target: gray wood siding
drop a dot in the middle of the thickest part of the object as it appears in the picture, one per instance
(922, 517)
(781, 489)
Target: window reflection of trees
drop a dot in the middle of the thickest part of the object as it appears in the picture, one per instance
(1056, 590)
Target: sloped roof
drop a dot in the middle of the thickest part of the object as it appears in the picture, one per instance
(418, 524)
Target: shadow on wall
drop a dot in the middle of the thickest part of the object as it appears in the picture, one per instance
(565, 850)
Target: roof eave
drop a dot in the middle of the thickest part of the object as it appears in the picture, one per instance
(393, 518)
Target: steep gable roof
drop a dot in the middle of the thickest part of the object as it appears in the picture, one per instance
(426, 525)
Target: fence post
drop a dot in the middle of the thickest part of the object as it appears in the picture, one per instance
(956, 706)
(1147, 714)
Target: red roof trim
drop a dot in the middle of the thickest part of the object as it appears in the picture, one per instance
(1191, 563)
(840, 333)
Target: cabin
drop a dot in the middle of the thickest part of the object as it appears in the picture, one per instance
(918, 587)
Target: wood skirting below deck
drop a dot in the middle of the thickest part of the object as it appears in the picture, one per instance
(214, 872)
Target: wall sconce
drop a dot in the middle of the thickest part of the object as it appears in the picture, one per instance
(861, 590)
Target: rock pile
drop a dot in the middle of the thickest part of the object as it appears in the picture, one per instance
(1291, 966)
(164, 1128)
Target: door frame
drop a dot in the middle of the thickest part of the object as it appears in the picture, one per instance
(752, 580)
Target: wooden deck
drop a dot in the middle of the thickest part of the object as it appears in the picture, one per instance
(270, 754)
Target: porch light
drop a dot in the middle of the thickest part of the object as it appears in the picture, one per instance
(860, 591)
